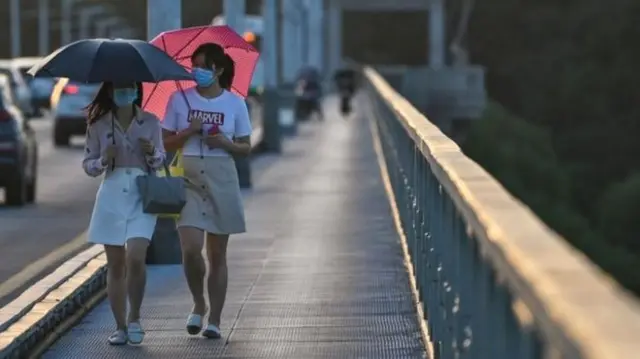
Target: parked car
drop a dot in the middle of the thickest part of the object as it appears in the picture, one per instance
(68, 101)
(18, 150)
(41, 87)
(20, 87)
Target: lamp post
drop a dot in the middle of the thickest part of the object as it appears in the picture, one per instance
(16, 27)
(272, 101)
(103, 27)
(234, 14)
(86, 14)
(315, 34)
(43, 27)
(65, 23)
(436, 34)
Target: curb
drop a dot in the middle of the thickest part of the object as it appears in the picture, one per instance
(28, 319)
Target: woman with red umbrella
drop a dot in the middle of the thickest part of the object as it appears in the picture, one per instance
(210, 125)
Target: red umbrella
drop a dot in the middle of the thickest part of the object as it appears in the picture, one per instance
(180, 44)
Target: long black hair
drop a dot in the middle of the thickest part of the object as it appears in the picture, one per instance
(214, 55)
(103, 103)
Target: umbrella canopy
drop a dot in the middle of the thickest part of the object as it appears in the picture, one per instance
(119, 60)
(180, 45)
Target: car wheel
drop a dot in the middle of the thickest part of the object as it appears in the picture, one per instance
(16, 191)
(32, 187)
(60, 138)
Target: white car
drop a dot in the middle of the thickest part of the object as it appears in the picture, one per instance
(20, 87)
(41, 87)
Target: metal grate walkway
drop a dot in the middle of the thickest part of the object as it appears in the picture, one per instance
(319, 275)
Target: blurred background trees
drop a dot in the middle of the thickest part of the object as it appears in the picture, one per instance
(565, 80)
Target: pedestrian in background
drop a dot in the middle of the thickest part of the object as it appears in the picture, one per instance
(122, 142)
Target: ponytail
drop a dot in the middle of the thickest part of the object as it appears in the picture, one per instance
(226, 78)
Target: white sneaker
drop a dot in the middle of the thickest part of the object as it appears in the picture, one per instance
(212, 332)
(194, 324)
(119, 337)
(135, 333)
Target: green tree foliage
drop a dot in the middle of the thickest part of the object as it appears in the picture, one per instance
(570, 67)
(619, 211)
(525, 162)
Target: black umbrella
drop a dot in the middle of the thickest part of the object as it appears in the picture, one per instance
(119, 60)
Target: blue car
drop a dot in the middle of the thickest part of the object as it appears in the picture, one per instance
(18, 150)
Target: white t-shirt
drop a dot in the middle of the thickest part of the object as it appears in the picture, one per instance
(228, 111)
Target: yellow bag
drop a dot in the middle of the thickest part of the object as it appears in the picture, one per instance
(176, 169)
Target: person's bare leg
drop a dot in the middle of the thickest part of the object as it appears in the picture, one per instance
(191, 241)
(116, 284)
(217, 281)
(136, 275)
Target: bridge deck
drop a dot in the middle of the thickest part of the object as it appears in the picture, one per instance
(319, 275)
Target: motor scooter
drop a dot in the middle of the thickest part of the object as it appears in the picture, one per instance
(307, 100)
(345, 101)
(345, 82)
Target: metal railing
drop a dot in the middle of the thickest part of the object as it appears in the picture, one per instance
(493, 281)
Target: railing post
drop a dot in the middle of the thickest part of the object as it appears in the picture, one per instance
(164, 15)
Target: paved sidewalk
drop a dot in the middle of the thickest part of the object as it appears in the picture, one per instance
(319, 275)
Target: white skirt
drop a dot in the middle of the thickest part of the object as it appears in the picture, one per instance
(117, 213)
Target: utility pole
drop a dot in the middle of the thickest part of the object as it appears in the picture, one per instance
(103, 27)
(315, 33)
(164, 15)
(271, 54)
(43, 27)
(65, 24)
(290, 40)
(334, 23)
(436, 34)
(16, 27)
(86, 14)
(270, 43)
(234, 14)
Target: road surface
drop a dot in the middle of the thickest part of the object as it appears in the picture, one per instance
(37, 238)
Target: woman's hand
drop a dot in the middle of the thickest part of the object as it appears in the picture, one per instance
(147, 147)
(218, 141)
(109, 154)
(195, 126)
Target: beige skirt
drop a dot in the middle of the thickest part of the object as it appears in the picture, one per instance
(214, 200)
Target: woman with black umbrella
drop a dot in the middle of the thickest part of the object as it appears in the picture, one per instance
(125, 142)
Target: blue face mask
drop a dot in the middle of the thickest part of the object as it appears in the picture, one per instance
(124, 97)
(203, 78)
